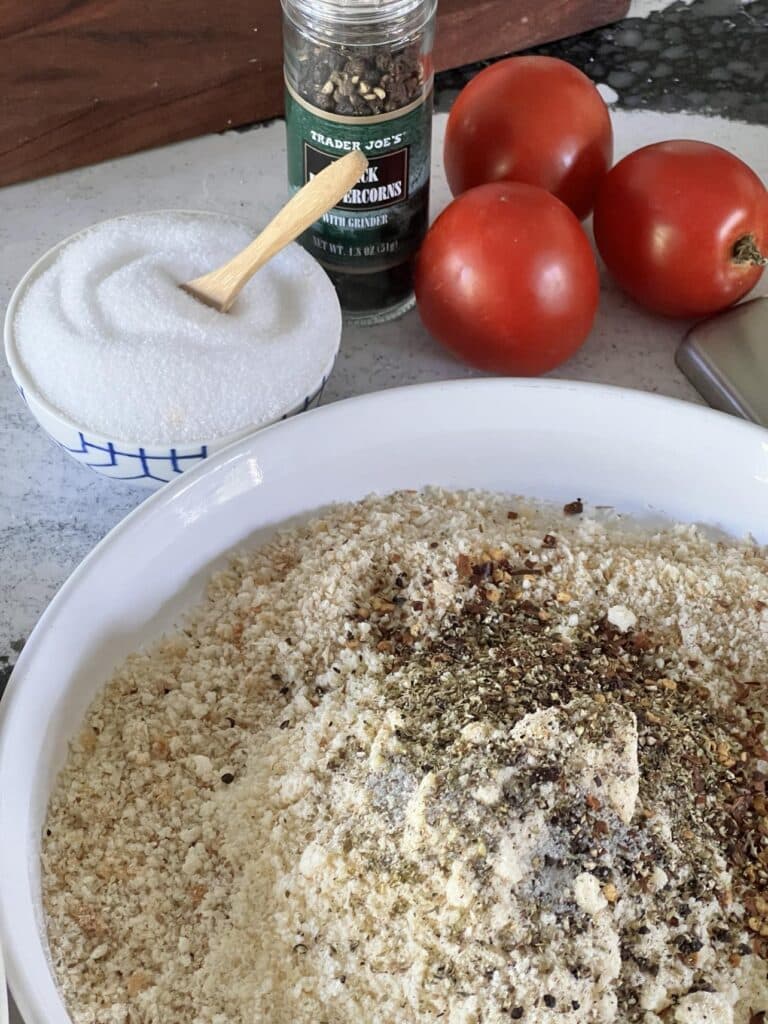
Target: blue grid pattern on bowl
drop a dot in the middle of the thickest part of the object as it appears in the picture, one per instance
(310, 401)
(144, 465)
(147, 466)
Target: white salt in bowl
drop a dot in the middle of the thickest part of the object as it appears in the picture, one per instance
(139, 460)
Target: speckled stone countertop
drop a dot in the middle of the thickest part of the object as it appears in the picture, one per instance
(696, 69)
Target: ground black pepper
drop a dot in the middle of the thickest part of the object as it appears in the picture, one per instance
(501, 656)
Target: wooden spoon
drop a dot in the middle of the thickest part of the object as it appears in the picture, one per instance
(221, 287)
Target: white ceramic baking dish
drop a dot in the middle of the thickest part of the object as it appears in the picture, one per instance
(558, 440)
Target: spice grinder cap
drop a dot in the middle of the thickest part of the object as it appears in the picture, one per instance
(382, 20)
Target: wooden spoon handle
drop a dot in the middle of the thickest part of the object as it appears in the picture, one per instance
(221, 287)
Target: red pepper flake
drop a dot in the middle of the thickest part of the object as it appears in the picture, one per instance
(641, 641)
(464, 566)
(549, 540)
(574, 508)
(512, 515)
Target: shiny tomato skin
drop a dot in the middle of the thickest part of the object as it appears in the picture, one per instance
(667, 219)
(537, 120)
(507, 280)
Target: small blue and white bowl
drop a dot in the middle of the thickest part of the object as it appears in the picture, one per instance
(146, 465)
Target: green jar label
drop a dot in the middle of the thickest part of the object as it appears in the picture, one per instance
(381, 222)
(384, 183)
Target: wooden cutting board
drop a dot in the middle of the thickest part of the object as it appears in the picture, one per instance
(84, 80)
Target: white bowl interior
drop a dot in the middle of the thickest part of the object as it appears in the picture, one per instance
(553, 440)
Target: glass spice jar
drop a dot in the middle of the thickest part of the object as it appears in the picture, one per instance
(359, 75)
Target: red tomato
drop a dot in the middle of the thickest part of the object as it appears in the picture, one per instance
(507, 280)
(681, 226)
(532, 119)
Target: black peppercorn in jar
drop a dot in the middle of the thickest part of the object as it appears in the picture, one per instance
(359, 75)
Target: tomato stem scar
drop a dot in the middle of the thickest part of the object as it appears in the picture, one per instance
(745, 250)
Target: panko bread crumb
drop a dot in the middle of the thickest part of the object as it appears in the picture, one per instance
(434, 756)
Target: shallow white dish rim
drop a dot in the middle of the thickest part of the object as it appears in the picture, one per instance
(3, 991)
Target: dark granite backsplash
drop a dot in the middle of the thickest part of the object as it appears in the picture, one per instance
(708, 57)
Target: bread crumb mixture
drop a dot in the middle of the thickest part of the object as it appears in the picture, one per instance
(433, 756)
